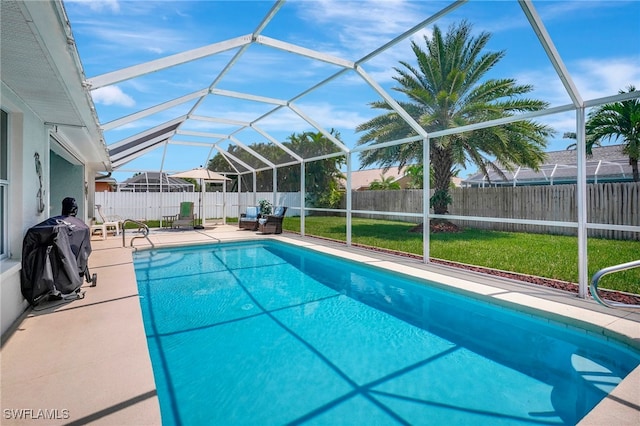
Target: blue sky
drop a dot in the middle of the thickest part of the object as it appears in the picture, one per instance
(599, 42)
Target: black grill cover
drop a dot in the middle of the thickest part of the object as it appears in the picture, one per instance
(55, 254)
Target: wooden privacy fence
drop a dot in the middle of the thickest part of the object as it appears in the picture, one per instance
(607, 203)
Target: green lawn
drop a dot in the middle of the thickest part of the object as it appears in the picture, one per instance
(551, 256)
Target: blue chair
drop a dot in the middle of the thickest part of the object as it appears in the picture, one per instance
(272, 224)
(249, 220)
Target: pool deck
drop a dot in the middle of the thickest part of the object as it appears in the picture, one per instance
(86, 361)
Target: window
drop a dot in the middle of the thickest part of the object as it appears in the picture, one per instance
(4, 184)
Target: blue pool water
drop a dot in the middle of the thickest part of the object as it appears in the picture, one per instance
(264, 333)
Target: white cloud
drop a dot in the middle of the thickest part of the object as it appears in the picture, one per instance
(594, 78)
(112, 95)
(602, 77)
(151, 39)
(99, 5)
(357, 28)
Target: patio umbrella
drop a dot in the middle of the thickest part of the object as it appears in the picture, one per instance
(202, 175)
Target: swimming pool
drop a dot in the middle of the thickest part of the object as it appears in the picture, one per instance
(267, 333)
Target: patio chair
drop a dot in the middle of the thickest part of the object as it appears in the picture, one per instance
(93, 226)
(249, 220)
(272, 224)
(186, 217)
(112, 222)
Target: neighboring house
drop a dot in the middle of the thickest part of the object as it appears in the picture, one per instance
(155, 182)
(51, 145)
(105, 184)
(361, 179)
(607, 164)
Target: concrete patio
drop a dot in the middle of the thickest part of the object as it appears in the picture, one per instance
(86, 361)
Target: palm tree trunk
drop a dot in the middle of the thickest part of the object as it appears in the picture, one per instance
(442, 160)
(633, 162)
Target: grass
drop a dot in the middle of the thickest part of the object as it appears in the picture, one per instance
(549, 256)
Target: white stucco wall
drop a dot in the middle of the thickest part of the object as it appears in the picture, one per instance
(27, 135)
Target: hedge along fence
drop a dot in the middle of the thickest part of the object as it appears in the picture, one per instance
(607, 203)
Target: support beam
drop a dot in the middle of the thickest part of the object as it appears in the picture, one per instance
(552, 52)
(226, 154)
(202, 134)
(349, 199)
(252, 152)
(219, 120)
(328, 135)
(303, 196)
(153, 110)
(135, 150)
(426, 200)
(410, 32)
(123, 158)
(303, 51)
(255, 187)
(190, 143)
(581, 203)
(261, 26)
(170, 61)
(275, 185)
(392, 102)
(248, 97)
(277, 142)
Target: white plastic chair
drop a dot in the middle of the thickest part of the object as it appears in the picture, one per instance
(108, 222)
(102, 228)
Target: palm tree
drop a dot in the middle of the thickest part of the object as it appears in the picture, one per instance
(384, 183)
(619, 120)
(446, 90)
(415, 172)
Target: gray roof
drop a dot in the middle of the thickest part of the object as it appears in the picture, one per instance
(607, 163)
(153, 179)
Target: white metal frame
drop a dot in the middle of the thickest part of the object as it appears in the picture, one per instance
(242, 44)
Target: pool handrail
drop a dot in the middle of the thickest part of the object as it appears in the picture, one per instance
(605, 271)
(141, 225)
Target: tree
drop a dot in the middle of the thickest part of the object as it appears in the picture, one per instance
(384, 183)
(446, 89)
(321, 176)
(415, 172)
(615, 121)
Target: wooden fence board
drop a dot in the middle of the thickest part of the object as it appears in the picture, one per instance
(608, 203)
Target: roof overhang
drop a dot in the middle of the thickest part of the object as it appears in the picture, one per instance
(41, 66)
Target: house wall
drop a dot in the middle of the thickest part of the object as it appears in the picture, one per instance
(60, 178)
(27, 135)
(103, 187)
(66, 180)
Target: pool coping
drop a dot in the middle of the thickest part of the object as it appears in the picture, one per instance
(102, 371)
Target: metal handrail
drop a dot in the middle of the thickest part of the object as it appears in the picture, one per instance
(601, 273)
(145, 232)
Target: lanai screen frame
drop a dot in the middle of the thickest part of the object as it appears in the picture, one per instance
(163, 134)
